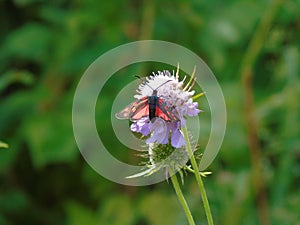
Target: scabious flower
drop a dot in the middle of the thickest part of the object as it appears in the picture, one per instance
(165, 140)
(178, 99)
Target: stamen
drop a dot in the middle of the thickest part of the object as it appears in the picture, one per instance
(191, 79)
(177, 72)
(198, 95)
(192, 85)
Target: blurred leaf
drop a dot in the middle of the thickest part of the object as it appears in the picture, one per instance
(157, 207)
(3, 145)
(31, 41)
(50, 138)
(54, 14)
(3, 221)
(235, 138)
(285, 212)
(14, 108)
(234, 197)
(13, 76)
(8, 157)
(117, 210)
(13, 201)
(98, 186)
(23, 3)
(13, 111)
(78, 215)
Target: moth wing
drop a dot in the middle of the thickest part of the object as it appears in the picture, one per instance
(139, 109)
(134, 110)
(164, 112)
(124, 113)
(161, 114)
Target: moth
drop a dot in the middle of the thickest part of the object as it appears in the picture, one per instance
(151, 106)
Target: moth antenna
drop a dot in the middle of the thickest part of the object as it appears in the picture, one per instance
(149, 85)
(163, 84)
(143, 81)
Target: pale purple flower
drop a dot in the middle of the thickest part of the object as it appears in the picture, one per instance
(141, 126)
(177, 139)
(160, 132)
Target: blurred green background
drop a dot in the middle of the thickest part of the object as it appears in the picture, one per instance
(45, 46)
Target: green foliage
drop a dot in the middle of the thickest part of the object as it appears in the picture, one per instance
(47, 45)
(3, 145)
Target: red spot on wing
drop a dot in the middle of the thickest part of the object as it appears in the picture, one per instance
(161, 114)
(164, 112)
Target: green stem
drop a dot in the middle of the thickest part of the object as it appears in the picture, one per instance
(198, 177)
(182, 199)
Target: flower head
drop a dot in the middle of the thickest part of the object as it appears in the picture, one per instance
(177, 99)
(171, 101)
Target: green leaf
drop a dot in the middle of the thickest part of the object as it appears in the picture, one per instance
(157, 207)
(13, 201)
(8, 156)
(50, 137)
(78, 214)
(3, 145)
(118, 210)
(13, 76)
(31, 41)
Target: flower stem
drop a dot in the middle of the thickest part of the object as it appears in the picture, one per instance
(182, 199)
(198, 177)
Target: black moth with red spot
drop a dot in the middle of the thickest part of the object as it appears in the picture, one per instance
(148, 106)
